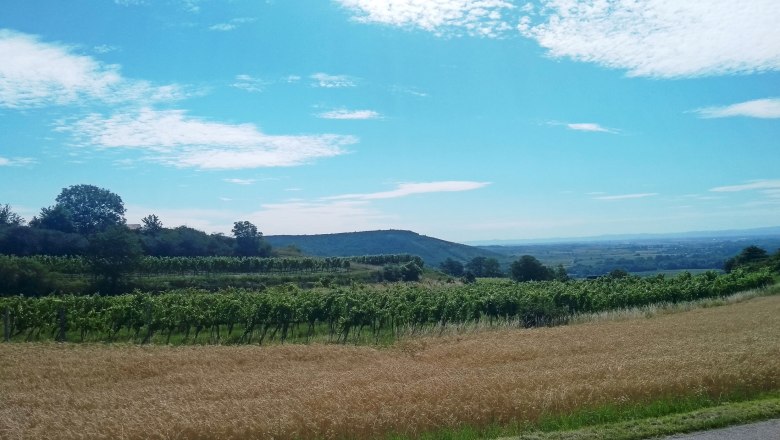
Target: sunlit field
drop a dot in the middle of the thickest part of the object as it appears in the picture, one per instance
(418, 385)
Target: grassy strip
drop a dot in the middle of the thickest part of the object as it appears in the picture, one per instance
(628, 422)
(703, 419)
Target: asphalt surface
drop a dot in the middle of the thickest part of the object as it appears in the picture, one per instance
(768, 430)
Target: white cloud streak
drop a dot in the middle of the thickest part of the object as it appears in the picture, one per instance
(249, 83)
(172, 137)
(408, 189)
(350, 114)
(627, 196)
(589, 126)
(443, 17)
(758, 108)
(768, 185)
(16, 161)
(327, 81)
(241, 181)
(661, 38)
(36, 74)
(231, 25)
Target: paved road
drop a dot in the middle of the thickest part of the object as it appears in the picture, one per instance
(769, 430)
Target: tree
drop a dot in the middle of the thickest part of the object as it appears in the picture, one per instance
(56, 218)
(451, 267)
(528, 268)
(749, 256)
(484, 267)
(249, 241)
(560, 274)
(91, 209)
(9, 218)
(151, 224)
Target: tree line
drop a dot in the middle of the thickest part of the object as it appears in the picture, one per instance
(86, 217)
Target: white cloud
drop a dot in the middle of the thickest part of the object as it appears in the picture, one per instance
(407, 189)
(16, 161)
(35, 74)
(627, 196)
(327, 81)
(771, 186)
(174, 138)
(661, 38)
(105, 48)
(589, 126)
(241, 181)
(758, 108)
(249, 83)
(442, 17)
(350, 114)
(231, 25)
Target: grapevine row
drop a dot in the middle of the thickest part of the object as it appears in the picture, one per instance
(340, 313)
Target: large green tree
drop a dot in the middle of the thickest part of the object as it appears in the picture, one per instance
(528, 268)
(249, 241)
(92, 209)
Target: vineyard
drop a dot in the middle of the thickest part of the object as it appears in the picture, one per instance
(360, 313)
(149, 265)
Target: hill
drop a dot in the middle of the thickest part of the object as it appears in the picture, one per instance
(432, 250)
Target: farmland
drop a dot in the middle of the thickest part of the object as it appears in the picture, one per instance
(359, 313)
(417, 385)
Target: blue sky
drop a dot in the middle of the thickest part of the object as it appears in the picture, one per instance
(463, 120)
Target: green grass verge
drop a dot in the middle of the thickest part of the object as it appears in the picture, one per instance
(628, 422)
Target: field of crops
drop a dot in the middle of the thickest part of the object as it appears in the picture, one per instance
(419, 385)
(358, 313)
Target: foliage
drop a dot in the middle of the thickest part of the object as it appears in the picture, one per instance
(23, 240)
(55, 218)
(528, 268)
(342, 312)
(484, 267)
(112, 254)
(91, 209)
(751, 256)
(249, 241)
(451, 267)
(9, 218)
(151, 224)
(24, 276)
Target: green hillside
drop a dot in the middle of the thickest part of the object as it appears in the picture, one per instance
(432, 250)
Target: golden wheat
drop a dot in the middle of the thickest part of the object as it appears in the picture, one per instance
(74, 391)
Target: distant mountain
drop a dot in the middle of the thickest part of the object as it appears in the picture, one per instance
(731, 233)
(432, 250)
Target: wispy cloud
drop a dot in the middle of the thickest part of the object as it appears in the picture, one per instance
(16, 161)
(758, 108)
(627, 196)
(241, 181)
(350, 114)
(408, 189)
(585, 126)
(768, 185)
(443, 17)
(327, 81)
(231, 25)
(249, 83)
(590, 126)
(36, 74)
(172, 137)
(660, 38)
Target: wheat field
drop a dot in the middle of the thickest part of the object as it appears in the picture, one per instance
(72, 391)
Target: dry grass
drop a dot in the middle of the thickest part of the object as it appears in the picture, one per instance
(326, 391)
